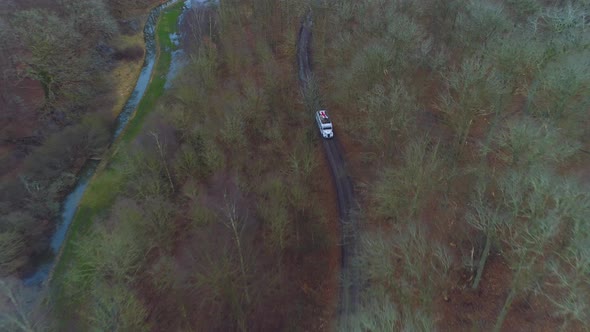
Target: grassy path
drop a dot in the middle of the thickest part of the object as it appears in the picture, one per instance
(104, 186)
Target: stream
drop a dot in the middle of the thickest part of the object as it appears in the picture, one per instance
(72, 200)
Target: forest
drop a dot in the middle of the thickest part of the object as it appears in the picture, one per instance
(67, 68)
(464, 126)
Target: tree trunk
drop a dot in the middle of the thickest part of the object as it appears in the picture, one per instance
(414, 207)
(162, 156)
(482, 261)
(505, 309)
(564, 325)
(242, 264)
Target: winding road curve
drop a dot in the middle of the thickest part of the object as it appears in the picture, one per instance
(347, 206)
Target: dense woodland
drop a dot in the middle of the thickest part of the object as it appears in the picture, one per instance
(465, 129)
(222, 217)
(57, 60)
(219, 224)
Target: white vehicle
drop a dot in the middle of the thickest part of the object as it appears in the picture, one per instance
(324, 124)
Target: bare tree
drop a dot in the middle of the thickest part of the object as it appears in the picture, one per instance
(12, 249)
(487, 219)
(145, 174)
(275, 214)
(18, 311)
(403, 190)
(527, 246)
(388, 116)
(91, 19)
(472, 91)
(115, 308)
(377, 313)
(526, 142)
(518, 57)
(567, 284)
(236, 224)
(536, 225)
(563, 85)
(479, 21)
(410, 270)
(50, 40)
(161, 146)
(571, 285)
(567, 25)
(218, 288)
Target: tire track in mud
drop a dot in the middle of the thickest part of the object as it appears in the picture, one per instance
(347, 206)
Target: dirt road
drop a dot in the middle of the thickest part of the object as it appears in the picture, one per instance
(347, 207)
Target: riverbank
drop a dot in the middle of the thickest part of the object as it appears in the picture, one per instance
(102, 189)
(46, 140)
(124, 76)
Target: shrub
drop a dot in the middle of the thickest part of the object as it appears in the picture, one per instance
(20, 310)
(233, 131)
(130, 53)
(12, 194)
(32, 229)
(12, 252)
(163, 275)
(117, 254)
(274, 213)
(377, 313)
(202, 216)
(91, 19)
(192, 160)
(61, 150)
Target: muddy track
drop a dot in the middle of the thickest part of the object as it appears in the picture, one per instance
(347, 206)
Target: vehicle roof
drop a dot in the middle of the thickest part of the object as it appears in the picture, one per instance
(324, 116)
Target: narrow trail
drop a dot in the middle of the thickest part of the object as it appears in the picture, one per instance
(347, 206)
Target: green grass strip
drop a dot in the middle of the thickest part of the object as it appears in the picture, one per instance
(167, 25)
(104, 186)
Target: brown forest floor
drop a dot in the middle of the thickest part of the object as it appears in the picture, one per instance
(310, 283)
(461, 308)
